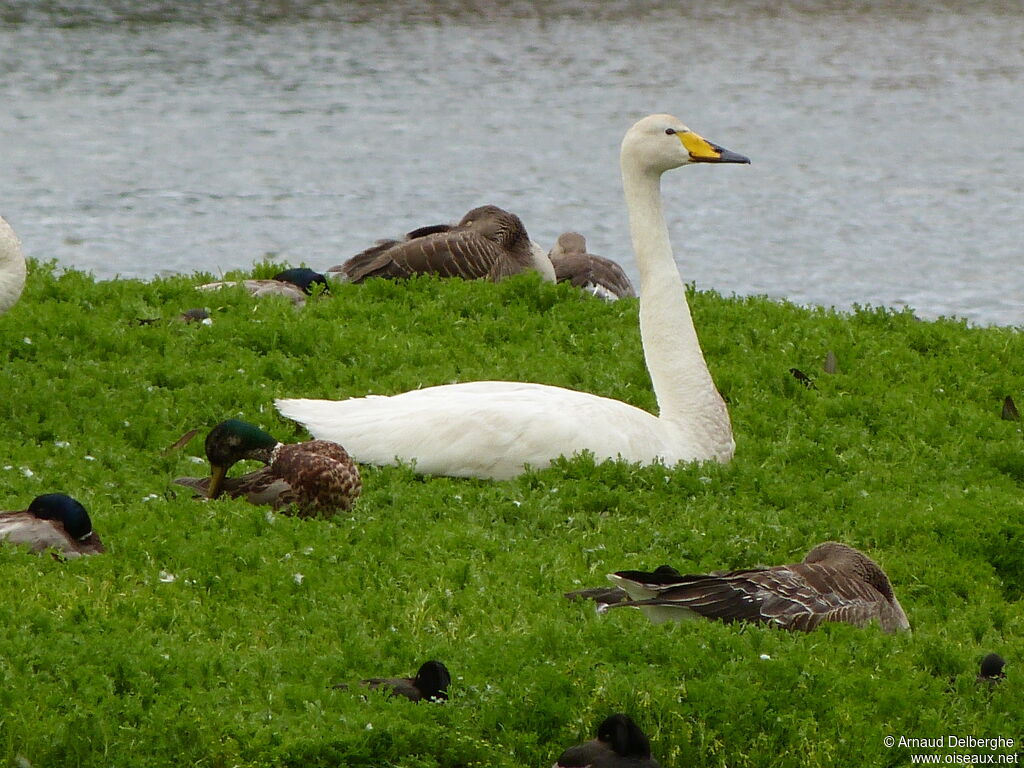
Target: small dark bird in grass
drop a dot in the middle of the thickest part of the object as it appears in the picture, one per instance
(430, 684)
(53, 521)
(619, 744)
(803, 378)
(992, 671)
(1010, 412)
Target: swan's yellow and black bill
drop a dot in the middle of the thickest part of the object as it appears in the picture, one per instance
(217, 474)
(703, 151)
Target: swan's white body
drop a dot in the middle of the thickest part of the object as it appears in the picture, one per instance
(494, 429)
(12, 267)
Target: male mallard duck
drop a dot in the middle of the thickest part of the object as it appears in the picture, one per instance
(52, 521)
(594, 274)
(12, 267)
(834, 583)
(488, 243)
(295, 284)
(316, 476)
(619, 744)
(430, 684)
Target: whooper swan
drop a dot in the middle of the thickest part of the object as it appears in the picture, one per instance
(493, 429)
(12, 267)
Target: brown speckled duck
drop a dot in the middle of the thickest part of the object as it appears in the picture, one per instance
(834, 583)
(313, 478)
(53, 521)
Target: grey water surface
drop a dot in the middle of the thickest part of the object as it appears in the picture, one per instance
(147, 138)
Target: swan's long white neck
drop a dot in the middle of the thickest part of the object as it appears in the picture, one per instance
(12, 267)
(685, 391)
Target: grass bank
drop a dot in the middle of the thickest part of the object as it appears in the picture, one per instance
(210, 633)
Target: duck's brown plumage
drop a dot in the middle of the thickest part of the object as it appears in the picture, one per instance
(313, 478)
(430, 683)
(488, 243)
(317, 477)
(619, 744)
(834, 583)
(52, 522)
(601, 276)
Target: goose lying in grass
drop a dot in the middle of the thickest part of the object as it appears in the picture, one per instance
(430, 684)
(315, 478)
(295, 284)
(834, 583)
(12, 267)
(605, 596)
(494, 429)
(619, 744)
(488, 243)
(53, 521)
(594, 274)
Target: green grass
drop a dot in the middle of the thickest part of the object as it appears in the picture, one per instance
(104, 661)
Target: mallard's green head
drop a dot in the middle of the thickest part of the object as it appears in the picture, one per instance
(230, 442)
(304, 277)
(65, 510)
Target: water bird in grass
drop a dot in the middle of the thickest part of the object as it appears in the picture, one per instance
(991, 672)
(1010, 412)
(489, 242)
(834, 583)
(594, 274)
(295, 284)
(430, 683)
(495, 429)
(620, 743)
(605, 596)
(12, 267)
(53, 521)
(313, 478)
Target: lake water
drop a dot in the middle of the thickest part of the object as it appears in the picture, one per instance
(146, 138)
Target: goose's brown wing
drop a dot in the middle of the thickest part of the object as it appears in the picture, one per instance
(453, 252)
(796, 597)
(609, 274)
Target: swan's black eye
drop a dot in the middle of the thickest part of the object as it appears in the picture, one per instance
(670, 131)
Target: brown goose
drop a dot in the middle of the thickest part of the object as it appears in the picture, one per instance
(53, 521)
(619, 744)
(488, 243)
(605, 596)
(834, 583)
(316, 477)
(595, 274)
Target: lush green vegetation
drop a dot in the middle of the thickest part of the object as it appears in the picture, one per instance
(196, 641)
